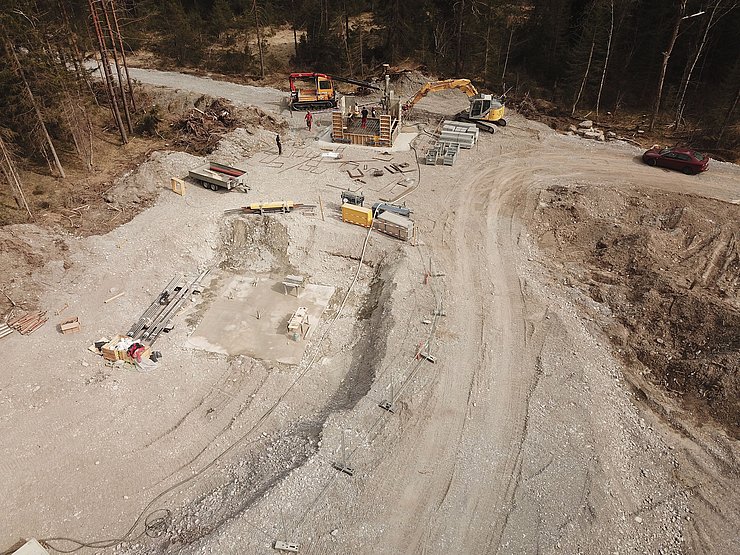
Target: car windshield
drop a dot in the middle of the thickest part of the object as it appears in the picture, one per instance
(698, 155)
(665, 151)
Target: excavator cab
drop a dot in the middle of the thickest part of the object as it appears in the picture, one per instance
(487, 107)
(479, 107)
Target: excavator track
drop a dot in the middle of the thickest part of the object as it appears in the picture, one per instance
(482, 125)
(318, 105)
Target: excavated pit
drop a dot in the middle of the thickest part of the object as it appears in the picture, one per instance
(261, 244)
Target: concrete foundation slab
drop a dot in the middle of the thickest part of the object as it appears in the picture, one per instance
(250, 317)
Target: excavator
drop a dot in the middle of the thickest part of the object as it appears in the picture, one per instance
(320, 93)
(485, 110)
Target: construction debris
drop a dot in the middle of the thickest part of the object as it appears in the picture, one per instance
(290, 547)
(70, 325)
(201, 130)
(114, 297)
(29, 322)
(5, 330)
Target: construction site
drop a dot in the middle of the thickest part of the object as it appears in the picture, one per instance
(408, 326)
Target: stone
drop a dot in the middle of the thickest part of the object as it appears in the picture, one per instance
(586, 124)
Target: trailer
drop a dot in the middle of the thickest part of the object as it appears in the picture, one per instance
(213, 175)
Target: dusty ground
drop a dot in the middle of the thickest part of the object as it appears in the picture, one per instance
(552, 421)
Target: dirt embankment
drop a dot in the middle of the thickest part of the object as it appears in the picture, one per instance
(664, 272)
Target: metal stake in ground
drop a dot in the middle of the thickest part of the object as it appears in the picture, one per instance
(388, 405)
(280, 545)
(342, 466)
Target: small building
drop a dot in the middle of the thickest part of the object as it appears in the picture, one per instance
(379, 131)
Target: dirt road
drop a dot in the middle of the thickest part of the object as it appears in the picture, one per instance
(522, 437)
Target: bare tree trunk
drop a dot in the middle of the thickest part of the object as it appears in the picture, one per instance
(728, 117)
(123, 55)
(485, 57)
(666, 57)
(585, 75)
(19, 70)
(700, 48)
(74, 46)
(458, 53)
(346, 40)
(295, 32)
(107, 73)
(105, 5)
(259, 38)
(11, 175)
(362, 61)
(506, 60)
(68, 106)
(606, 60)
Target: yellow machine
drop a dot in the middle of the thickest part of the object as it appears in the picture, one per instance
(485, 109)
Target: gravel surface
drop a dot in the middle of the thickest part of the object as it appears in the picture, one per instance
(522, 437)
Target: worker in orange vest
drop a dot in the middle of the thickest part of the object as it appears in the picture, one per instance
(309, 120)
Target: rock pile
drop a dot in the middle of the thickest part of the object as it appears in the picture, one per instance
(587, 130)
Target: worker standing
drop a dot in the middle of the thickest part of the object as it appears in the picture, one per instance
(309, 119)
(279, 144)
(364, 117)
(372, 112)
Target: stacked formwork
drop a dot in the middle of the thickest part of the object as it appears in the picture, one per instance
(454, 136)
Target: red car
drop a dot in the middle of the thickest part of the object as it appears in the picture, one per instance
(686, 160)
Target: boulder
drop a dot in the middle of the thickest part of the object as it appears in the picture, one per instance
(572, 128)
(611, 135)
(594, 134)
(586, 124)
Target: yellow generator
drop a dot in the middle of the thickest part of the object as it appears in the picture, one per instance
(357, 215)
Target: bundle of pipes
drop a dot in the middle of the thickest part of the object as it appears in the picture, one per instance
(29, 322)
(464, 134)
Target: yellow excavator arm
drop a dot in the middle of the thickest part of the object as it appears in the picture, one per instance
(463, 84)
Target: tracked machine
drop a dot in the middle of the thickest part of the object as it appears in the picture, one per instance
(315, 91)
(486, 110)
